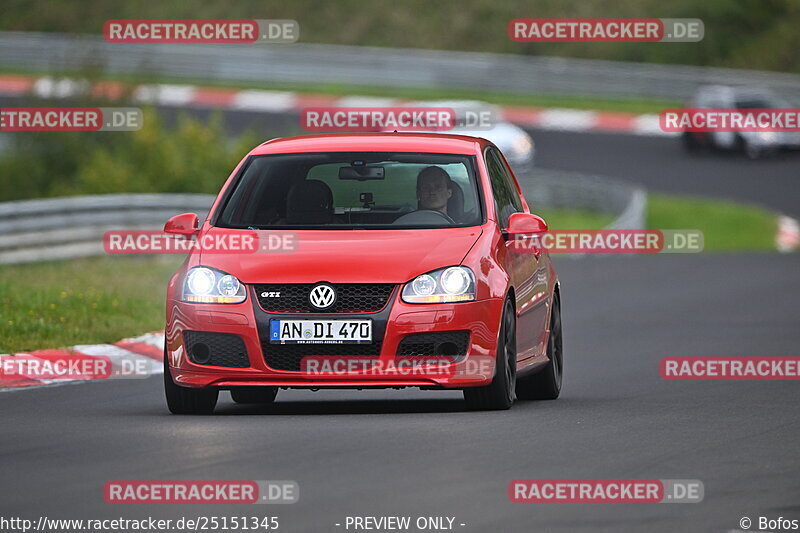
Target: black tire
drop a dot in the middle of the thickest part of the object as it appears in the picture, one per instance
(186, 401)
(749, 150)
(753, 152)
(546, 384)
(249, 395)
(690, 143)
(499, 395)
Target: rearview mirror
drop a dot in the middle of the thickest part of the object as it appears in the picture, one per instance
(525, 224)
(184, 224)
(361, 173)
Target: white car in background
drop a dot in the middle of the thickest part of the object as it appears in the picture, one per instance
(513, 141)
(753, 144)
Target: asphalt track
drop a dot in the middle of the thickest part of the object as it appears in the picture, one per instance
(420, 453)
(662, 165)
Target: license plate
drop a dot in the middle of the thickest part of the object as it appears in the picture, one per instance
(320, 331)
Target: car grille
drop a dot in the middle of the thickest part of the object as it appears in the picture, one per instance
(288, 356)
(216, 349)
(350, 297)
(437, 343)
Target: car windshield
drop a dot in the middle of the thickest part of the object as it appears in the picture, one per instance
(354, 190)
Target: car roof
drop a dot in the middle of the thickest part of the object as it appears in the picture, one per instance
(374, 142)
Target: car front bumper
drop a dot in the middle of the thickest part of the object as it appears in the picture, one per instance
(250, 323)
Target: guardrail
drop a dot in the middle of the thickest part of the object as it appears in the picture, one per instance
(571, 190)
(66, 228)
(371, 66)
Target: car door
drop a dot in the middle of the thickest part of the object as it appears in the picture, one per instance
(528, 271)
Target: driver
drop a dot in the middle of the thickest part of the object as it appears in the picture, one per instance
(434, 189)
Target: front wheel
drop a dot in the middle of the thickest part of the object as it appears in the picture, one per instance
(186, 401)
(499, 395)
(546, 384)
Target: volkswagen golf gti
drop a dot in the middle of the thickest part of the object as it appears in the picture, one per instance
(405, 260)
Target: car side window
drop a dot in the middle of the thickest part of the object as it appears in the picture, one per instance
(506, 199)
(512, 186)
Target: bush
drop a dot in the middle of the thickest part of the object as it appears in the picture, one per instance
(191, 156)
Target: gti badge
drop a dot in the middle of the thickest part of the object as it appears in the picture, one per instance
(271, 294)
(322, 296)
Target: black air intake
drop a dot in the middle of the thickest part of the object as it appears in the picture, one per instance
(437, 343)
(215, 349)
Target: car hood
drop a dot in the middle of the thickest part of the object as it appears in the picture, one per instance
(347, 256)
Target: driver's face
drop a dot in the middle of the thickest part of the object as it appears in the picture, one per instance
(432, 193)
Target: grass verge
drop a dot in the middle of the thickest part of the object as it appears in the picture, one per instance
(726, 225)
(91, 300)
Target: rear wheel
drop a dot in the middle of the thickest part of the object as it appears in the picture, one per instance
(750, 149)
(546, 384)
(249, 395)
(500, 393)
(186, 401)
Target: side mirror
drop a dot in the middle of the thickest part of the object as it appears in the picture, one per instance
(525, 224)
(185, 224)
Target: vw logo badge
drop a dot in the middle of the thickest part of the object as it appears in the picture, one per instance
(322, 296)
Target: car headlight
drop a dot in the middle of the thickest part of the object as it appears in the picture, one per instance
(208, 286)
(452, 284)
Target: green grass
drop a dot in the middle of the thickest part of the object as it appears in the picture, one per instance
(92, 300)
(571, 101)
(727, 226)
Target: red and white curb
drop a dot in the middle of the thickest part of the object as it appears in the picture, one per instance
(788, 237)
(287, 101)
(142, 356)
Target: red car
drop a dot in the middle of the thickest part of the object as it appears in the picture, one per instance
(397, 264)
